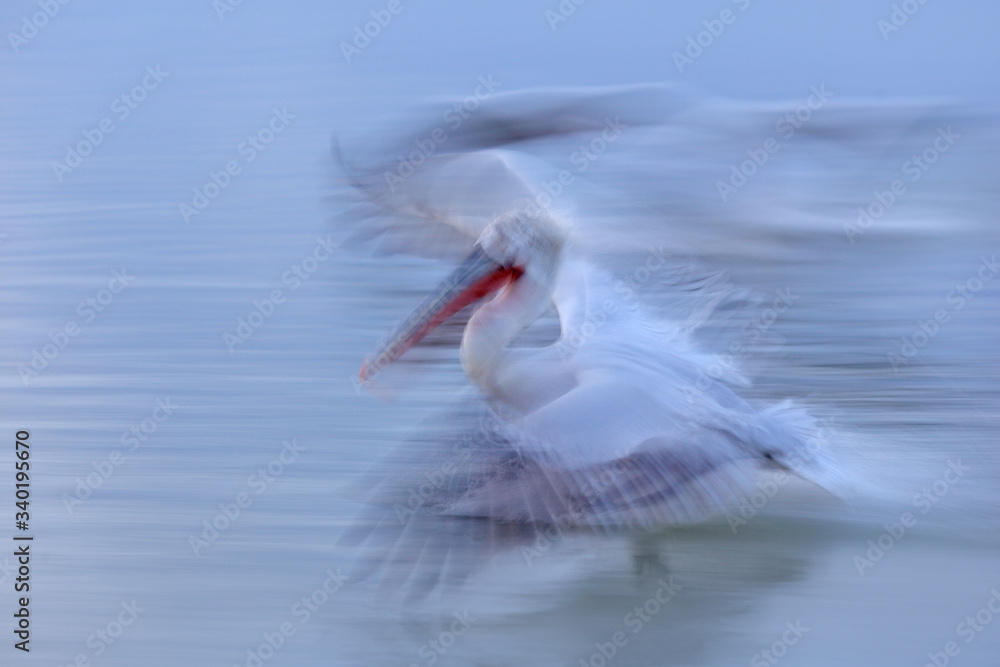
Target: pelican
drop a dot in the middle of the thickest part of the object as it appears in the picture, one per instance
(621, 423)
(620, 428)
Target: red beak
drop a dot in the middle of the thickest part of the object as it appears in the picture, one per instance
(477, 276)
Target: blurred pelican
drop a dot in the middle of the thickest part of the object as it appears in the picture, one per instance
(619, 423)
(621, 427)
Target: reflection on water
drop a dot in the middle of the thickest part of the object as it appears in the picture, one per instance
(231, 558)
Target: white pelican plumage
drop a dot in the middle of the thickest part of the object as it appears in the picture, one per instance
(622, 400)
(616, 424)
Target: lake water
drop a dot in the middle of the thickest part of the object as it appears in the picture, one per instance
(181, 362)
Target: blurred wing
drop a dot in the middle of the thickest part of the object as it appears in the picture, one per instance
(438, 210)
(472, 485)
(660, 484)
(431, 189)
(507, 118)
(406, 536)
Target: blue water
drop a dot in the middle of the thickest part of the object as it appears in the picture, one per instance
(159, 414)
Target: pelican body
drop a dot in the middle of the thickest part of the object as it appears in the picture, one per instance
(618, 426)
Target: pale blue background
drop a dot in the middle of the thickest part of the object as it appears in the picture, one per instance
(162, 337)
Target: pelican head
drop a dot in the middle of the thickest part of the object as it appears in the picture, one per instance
(518, 251)
(530, 241)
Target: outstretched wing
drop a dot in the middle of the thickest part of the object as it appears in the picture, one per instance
(436, 210)
(430, 188)
(472, 484)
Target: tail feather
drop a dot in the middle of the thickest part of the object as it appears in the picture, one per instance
(800, 443)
